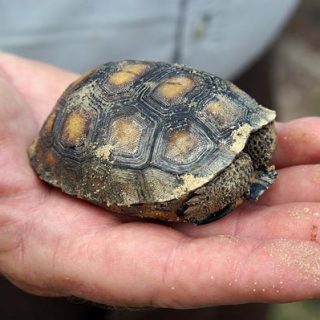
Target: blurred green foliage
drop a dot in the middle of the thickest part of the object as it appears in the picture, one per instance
(307, 310)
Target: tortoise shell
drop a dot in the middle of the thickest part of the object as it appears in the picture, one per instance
(139, 136)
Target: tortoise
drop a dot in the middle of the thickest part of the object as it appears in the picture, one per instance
(157, 140)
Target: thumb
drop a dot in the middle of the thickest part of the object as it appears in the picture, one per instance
(38, 83)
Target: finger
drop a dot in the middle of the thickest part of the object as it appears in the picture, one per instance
(298, 142)
(166, 269)
(294, 184)
(40, 84)
(284, 221)
(229, 270)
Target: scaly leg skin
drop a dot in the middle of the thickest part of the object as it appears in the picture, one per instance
(261, 146)
(222, 194)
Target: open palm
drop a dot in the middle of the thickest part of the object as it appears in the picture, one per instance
(53, 244)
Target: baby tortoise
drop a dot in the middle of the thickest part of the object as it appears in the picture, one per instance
(157, 140)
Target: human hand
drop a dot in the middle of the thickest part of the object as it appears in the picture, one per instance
(56, 245)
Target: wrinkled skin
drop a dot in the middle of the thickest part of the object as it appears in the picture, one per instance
(55, 245)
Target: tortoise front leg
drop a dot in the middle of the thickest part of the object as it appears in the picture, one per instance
(222, 194)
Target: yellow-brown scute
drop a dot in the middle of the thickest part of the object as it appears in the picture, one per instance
(127, 74)
(74, 128)
(126, 134)
(174, 87)
(221, 112)
(180, 144)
